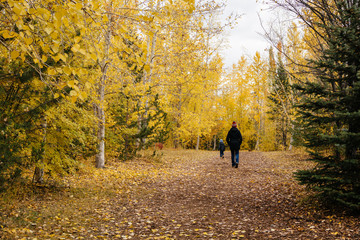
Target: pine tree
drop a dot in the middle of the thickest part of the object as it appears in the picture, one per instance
(330, 106)
(280, 100)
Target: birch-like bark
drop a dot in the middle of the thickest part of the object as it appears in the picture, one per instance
(100, 156)
(197, 142)
(151, 45)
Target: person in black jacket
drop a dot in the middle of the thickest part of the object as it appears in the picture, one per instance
(234, 140)
(221, 148)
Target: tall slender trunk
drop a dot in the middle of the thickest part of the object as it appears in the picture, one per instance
(291, 137)
(214, 143)
(142, 121)
(100, 156)
(39, 170)
(197, 142)
(151, 46)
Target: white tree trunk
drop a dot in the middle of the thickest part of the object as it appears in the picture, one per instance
(100, 156)
(197, 142)
(214, 143)
(291, 138)
(151, 45)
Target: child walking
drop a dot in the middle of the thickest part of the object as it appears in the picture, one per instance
(222, 148)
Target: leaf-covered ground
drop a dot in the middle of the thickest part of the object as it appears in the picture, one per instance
(185, 195)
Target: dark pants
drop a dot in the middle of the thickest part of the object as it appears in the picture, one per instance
(221, 153)
(234, 157)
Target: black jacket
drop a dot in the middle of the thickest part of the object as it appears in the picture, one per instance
(221, 146)
(234, 138)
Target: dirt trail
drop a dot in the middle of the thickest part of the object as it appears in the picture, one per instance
(208, 199)
(185, 195)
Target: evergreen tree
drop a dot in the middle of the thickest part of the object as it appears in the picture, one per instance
(23, 102)
(330, 107)
(280, 102)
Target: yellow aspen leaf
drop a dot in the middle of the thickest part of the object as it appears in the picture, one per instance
(54, 35)
(105, 19)
(20, 24)
(67, 70)
(57, 23)
(7, 34)
(46, 48)
(66, 22)
(56, 58)
(147, 68)
(14, 54)
(73, 93)
(82, 71)
(56, 95)
(96, 5)
(91, 49)
(117, 39)
(75, 48)
(48, 30)
(76, 88)
(18, 9)
(123, 29)
(59, 15)
(78, 6)
(82, 51)
(151, 34)
(55, 47)
(44, 58)
(62, 57)
(73, 99)
(93, 56)
(83, 31)
(28, 41)
(45, 13)
(71, 83)
(61, 86)
(87, 85)
(83, 95)
(77, 39)
(32, 11)
(51, 71)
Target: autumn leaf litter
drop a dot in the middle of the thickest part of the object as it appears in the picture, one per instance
(185, 195)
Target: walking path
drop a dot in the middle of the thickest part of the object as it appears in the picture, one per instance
(208, 199)
(185, 195)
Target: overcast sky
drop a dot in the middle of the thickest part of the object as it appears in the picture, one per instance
(245, 38)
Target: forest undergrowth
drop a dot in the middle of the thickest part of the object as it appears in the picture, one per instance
(182, 194)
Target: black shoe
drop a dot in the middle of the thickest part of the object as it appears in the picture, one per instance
(237, 165)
